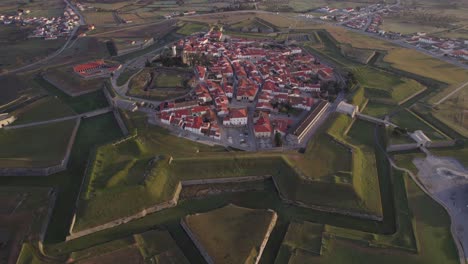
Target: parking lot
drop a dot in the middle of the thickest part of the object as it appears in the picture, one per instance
(238, 136)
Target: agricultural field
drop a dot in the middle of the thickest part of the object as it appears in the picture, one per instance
(304, 5)
(17, 50)
(454, 112)
(100, 19)
(23, 212)
(231, 234)
(47, 108)
(160, 83)
(38, 8)
(190, 28)
(14, 88)
(18, 152)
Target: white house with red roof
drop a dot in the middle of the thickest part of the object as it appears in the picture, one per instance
(262, 128)
(236, 117)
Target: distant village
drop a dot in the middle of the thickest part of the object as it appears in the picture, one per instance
(247, 87)
(46, 28)
(370, 19)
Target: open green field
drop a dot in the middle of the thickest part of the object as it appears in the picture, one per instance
(190, 28)
(454, 112)
(17, 50)
(14, 89)
(25, 147)
(231, 234)
(160, 246)
(47, 108)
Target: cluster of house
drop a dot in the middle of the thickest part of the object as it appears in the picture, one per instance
(46, 28)
(178, 14)
(457, 48)
(94, 69)
(261, 74)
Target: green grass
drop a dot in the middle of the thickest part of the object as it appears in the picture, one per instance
(231, 234)
(17, 50)
(159, 245)
(306, 236)
(67, 80)
(165, 80)
(189, 28)
(80, 104)
(117, 172)
(37, 146)
(124, 76)
(432, 229)
(27, 255)
(102, 248)
(44, 109)
(378, 109)
(407, 119)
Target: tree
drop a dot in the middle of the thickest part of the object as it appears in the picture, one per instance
(278, 139)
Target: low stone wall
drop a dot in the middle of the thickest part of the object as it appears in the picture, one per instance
(47, 170)
(402, 147)
(225, 180)
(155, 208)
(120, 122)
(197, 243)
(52, 200)
(327, 209)
(441, 144)
(267, 235)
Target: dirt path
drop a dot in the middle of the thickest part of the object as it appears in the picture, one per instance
(452, 93)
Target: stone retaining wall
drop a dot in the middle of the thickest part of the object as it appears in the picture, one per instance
(155, 208)
(225, 180)
(441, 144)
(402, 147)
(52, 200)
(197, 243)
(267, 235)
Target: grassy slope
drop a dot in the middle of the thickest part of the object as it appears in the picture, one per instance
(44, 109)
(81, 104)
(25, 147)
(406, 119)
(160, 246)
(435, 244)
(231, 234)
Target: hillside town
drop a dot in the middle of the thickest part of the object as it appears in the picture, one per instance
(249, 93)
(47, 28)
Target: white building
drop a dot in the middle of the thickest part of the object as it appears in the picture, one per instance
(6, 119)
(348, 109)
(420, 138)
